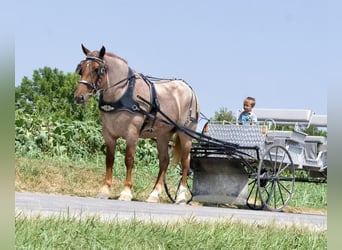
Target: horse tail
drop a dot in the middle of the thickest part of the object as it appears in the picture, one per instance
(177, 151)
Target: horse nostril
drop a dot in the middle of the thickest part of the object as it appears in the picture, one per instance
(79, 99)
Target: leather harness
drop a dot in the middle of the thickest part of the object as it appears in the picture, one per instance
(128, 103)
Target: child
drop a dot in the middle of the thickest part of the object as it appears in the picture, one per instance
(247, 117)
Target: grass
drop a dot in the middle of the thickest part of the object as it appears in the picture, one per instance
(92, 233)
(85, 179)
(79, 179)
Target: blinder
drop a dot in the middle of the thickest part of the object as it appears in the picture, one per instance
(78, 69)
(99, 71)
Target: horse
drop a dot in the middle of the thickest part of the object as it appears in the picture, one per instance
(131, 107)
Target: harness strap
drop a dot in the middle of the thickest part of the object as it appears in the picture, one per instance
(153, 97)
(88, 84)
(126, 102)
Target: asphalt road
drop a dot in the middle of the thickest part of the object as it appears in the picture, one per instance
(33, 204)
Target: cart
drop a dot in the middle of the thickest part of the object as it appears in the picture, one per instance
(256, 165)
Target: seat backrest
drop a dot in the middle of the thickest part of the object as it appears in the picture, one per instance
(284, 116)
(319, 121)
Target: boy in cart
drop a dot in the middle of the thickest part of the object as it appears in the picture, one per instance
(247, 117)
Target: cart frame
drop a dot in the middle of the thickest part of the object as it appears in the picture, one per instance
(268, 158)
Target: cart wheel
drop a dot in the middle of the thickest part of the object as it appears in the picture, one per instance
(172, 182)
(276, 177)
(253, 200)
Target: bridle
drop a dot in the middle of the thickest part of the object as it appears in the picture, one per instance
(100, 72)
(95, 86)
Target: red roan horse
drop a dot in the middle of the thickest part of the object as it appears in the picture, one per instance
(129, 104)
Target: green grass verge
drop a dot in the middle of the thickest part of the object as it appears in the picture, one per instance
(92, 233)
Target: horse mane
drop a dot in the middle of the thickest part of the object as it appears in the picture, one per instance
(110, 54)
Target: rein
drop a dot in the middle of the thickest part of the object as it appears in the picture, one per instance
(233, 148)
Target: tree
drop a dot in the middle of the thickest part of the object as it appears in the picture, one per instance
(223, 115)
(50, 93)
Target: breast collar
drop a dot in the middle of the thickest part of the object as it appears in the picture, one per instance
(127, 101)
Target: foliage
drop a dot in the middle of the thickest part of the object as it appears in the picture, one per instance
(50, 93)
(48, 123)
(223, 115)
(37, 136)
(147, 153)
(40, 137)
(309, 131)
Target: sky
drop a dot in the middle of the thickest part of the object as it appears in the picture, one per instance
(283, 53)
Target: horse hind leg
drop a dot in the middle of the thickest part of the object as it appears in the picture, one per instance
(164, 159)
(183, 147)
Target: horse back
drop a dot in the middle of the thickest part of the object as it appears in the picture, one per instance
(178, 101)
(175, 99)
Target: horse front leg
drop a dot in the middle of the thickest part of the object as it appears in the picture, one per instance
(126, 193)
(105, 190)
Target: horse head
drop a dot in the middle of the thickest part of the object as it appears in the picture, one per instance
(91, 70)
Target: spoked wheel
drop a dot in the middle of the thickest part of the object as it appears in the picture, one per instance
(172, 183)
(253, 200)
(276, 177)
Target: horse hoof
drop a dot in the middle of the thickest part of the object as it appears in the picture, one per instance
(152, 199)
(181, 196)
(125, 196)
(104, 193)
(102, 196)
(181, 202)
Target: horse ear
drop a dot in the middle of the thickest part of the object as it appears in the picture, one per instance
(102, 52)
(85, 50)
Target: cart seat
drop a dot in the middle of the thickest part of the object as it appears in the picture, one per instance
(283, 136)
(284, 116)
(316, 139)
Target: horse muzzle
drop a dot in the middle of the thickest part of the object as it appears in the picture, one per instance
(80, 99)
